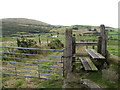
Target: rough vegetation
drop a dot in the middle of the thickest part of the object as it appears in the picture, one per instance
(24, 42)
(56, 44)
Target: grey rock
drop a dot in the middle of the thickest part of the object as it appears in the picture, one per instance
(109, 75)
(86, 83)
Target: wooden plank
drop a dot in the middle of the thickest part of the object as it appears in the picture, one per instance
(98, 54)
(86, 44)
(94, 54)
(88, 64)
(91, 64)
(85, 64)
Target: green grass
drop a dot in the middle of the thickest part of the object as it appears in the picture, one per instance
(51, 84)
(112, 42)
(22, 82)
(5, 78)
(18, 83)
(96, 77)
(113, 49)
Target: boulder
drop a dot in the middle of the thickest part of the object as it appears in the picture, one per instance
(109, 75)
(86, 83)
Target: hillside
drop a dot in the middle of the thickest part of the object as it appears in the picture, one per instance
(22, 21)
(13, 25)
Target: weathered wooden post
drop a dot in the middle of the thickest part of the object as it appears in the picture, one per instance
(99, 50)
(102, 45)
(68, 52)
(47, 41)
(99, 44)
(86, 45)
(73, 45)
(104, 41)
(39, 39)
(73, 52)
(93, 47)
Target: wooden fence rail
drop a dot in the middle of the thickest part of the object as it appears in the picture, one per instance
(86, 44)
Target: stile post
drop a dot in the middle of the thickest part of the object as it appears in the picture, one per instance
(47, 41)
(99, 50)
(73, 51)
(68, 52)
(99, 45)
(104, 41)
(93, 47)
(86, 45)
(39, 39)
(73, 45)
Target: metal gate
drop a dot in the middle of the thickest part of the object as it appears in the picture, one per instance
(17, 61)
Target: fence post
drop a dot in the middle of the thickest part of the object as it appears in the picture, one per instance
(93, 47)
(73, 51)
(73, 45)
(68, 52)
(104, 41)
(99, 45)
(47, 41)
(103, 44)
(86, 45)
(39, 39)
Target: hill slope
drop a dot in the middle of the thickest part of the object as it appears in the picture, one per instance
(13, 25)
(22, 21)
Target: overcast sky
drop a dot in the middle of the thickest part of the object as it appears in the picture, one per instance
(63, 12)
